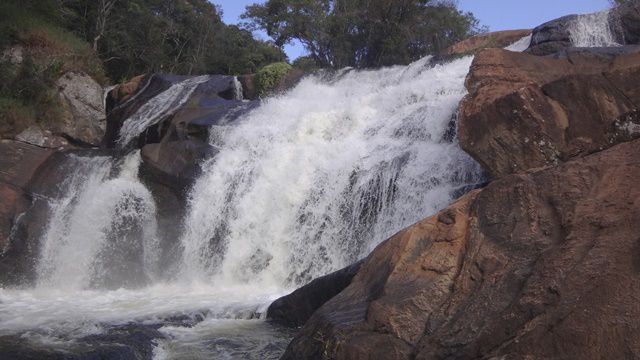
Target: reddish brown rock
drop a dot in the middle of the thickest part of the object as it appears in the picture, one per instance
(539, 265)
(18, 164)
(525, 111)
(496, 39)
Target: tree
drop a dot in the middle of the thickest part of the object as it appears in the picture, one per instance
(177, 36)
(363, 33)
(104, 9)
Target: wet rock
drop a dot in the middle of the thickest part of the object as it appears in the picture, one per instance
(125, 99)
(551, 36)
(175, 164)
(625, 22)
(295, 309)
(212, 103)
(525, 111)
(19, 162)
(82, 100)
(539, 265)
(33, 177)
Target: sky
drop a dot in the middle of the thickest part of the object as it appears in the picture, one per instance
(497, 14)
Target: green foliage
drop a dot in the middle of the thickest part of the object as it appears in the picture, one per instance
(363, 33)
(175, 36)
(27, 93)
(268, 78)
(306, 64)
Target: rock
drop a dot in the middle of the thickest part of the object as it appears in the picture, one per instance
(248, 83)
(212, 103)
(175, 164)
(625, 20)
(539, 265)
(552, 36)
(295, 309)
(34, 135)
(125, 99)
(82, 100)
(525, 111)
(496, 39)
(19, 163)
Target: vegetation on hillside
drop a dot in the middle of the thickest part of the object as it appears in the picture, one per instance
(363, 33)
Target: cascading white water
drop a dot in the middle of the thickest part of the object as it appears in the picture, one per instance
(311, 181)
(591, 30)
(303, 185)
(158, 108)
(94, 225)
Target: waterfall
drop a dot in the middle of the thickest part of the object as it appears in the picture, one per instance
(591, 30)
(314, 179)
(305, 184)
(158, 108)
(102, 233)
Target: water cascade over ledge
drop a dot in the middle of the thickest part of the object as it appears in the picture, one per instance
(307, 183)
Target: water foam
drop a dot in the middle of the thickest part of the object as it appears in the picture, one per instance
(313, 180)
(592, 30)
(98, 228)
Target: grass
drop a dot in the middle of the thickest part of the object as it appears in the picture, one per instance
(28, 94)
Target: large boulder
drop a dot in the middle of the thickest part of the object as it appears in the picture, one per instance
(539, 265)
(525, 111)
(82, 101)
(180, 112)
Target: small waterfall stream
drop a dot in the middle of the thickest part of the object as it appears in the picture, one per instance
(591, 30)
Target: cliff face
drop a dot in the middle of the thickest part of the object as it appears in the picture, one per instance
(541, 263)
(525, 111)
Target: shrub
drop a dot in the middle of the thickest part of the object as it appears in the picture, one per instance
(268, 78)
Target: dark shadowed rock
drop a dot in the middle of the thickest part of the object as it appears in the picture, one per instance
(525, 111)
(175, 164)
(625, 22)
(125, 99)
(551, 36)
(19, 163)
(555, 35)
(296, 308)
(540, 265)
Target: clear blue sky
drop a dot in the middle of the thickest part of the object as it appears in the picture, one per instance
(497, 14)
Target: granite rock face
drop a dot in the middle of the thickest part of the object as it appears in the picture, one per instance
(525, 111)
(537, 265)
(82, 101)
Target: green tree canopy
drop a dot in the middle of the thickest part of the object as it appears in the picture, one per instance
(363, 33)
(176, 36)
